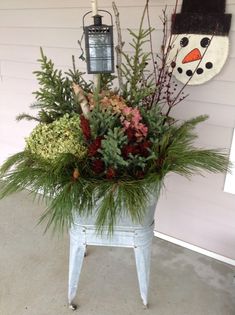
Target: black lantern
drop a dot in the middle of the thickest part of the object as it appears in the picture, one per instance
(99, 45)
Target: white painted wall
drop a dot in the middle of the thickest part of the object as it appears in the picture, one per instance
(196, 211)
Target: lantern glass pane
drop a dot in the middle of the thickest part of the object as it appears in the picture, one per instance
(100, 52)
(100, 65)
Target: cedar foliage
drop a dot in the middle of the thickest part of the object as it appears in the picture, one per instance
(55, 96)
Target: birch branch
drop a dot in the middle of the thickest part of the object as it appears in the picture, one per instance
(119, 46)
(78, 91)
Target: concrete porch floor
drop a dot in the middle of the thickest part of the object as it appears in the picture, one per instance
(34, 267)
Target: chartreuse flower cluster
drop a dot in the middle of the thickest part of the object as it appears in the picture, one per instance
(49, 141)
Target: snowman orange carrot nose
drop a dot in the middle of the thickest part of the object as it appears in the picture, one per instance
(193, 55)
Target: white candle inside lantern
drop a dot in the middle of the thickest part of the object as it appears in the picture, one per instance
(94, 7)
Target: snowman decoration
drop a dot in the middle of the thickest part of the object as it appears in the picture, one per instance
(199, 43)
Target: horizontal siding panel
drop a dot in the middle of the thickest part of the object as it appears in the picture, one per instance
(201, 188)
(212, 136)
(15, 133)
(19, 129)
(173, 210)
(59, 38)
(219, 114)
(227, 73)
(72, 17)
(198, 202)
(7, 149)
(18, 69)
(64, 18)
(30, 54)
(64, 38)
(206, 181)
(223, 92)
(19, 86)
(33, 4)
(40, 37)
(25, 4)
(9, 105)
(25, 70)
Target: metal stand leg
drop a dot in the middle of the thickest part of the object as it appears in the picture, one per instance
(77, 252)
(142, 258)
(140, 238)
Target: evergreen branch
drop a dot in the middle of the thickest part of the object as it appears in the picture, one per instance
(27, 117)
(135, 66)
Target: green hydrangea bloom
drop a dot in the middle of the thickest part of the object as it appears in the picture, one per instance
(61, 136)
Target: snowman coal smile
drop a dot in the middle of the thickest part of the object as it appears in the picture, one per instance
(189, 72)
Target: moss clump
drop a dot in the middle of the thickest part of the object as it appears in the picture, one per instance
(61, 136)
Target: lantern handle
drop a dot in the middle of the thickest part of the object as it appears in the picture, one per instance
(83, 19)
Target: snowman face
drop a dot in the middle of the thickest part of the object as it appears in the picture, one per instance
(197, 57)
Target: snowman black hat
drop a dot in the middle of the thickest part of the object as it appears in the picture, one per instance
(202, 17)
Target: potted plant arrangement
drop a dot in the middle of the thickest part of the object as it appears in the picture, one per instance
(104, 147)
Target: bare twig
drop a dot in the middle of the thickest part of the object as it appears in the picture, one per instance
(151, 44)
(161, 69)
(119, 46)
(82, 56)
(163, 82)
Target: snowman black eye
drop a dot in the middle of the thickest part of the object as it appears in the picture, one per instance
(205, 42)
(184, 42)
(209, 65)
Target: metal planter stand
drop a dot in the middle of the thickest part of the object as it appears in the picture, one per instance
(126, 234)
